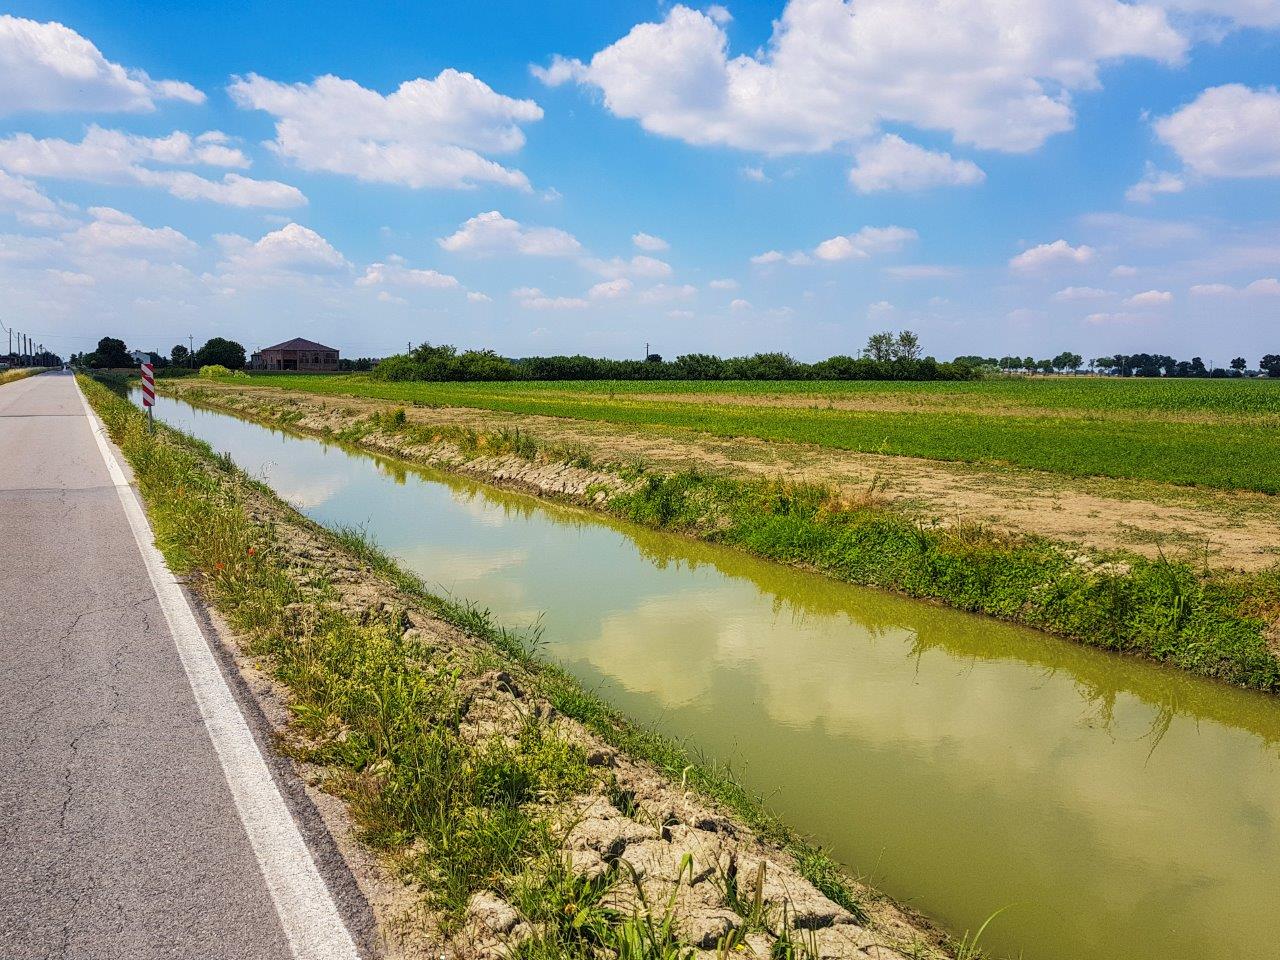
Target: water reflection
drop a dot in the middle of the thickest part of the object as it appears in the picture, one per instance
(1130, 811)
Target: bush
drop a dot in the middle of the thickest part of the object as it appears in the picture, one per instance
(216, 371)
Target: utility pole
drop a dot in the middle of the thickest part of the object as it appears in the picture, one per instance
(191, 351)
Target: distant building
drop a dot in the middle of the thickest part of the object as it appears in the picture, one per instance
(296, 354)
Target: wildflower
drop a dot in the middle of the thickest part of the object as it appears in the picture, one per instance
(252, 551)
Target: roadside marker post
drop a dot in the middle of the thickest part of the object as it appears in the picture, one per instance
(149, 395)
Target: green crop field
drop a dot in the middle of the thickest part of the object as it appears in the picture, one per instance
(1213, 433)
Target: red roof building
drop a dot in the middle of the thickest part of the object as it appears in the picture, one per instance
(296, 354)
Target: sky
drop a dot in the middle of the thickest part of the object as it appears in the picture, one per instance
(1000, 176)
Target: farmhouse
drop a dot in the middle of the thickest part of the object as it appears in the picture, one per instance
(296, 354)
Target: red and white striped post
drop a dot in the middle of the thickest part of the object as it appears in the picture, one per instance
(149, 394)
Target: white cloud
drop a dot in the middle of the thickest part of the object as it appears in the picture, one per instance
(115, 157)
(291, 249)
(428, 133)
(18, 193)
(994, 74)
(489, 233)
(71, 278)
(475, 296)
(665, 293)
(1069, 294)
(113, 231)
(1102, 319)
(1049, 254)
(385, 297)
(1150, 298)
(797, 258)
(637, 266)
(864, 243)
(1124, 270)
(740, 305)
(723, 284)
(610, 289)
(50, 67)
(541, 302)
(921, 271)
(1154, 181)
(755, 174)
(892, 163)
(396, 273)
(650, 243)
(1227, 131)
(1267, 286)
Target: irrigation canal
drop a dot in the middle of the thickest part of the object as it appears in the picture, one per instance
(1120, 811)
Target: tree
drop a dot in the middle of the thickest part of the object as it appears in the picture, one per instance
(1271, 364)
(907, 346)
(1238, 364)
(218, 350)
(880, 346)
(178, 355)
(110, 353)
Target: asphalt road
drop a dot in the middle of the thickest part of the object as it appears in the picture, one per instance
(119, 833)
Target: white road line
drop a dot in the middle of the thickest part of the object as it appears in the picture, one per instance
(309, 916)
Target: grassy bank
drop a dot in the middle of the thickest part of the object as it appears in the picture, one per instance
(9, 376)
(1213, 433)
(392, 713)
(1210, 622)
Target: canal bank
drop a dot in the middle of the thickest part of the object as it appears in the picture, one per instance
(1124, 810)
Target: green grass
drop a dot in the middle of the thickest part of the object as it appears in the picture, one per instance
(1213, 433)
(382, 709)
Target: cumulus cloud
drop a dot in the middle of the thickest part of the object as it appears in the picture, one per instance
(666, 292)
(291, 249)
(994, 74)
(115, 157)
(921, 271)
(428, 133)
(394, 272)
(1068, 294)
(610, 289)
(892, 163)
(637, 266)
(1155, 181)
(725, 283)
(797, 258)
(1150, 298)
(1051, 254)
(18, 193)
(475, 296)
(490, 233)
(50, 67)
(864, 243)
(531, 298)
(112, 231)
(649, 243)
(1227, 131)
(1267, 286)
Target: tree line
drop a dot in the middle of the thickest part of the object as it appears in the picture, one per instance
(887, 356)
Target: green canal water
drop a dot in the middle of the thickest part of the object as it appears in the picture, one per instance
(1119, 810)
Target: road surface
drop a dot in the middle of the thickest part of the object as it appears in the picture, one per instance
(130, 825)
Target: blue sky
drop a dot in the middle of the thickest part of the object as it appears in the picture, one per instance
(1002, 177)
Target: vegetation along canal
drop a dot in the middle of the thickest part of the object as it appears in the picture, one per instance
(1120, 811)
